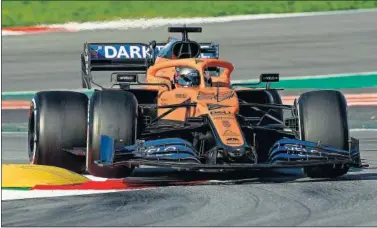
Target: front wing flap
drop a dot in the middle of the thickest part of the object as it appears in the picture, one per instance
(179, 154)
(162, 149)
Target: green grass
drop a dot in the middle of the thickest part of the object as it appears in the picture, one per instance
(26, 13)
(14, 127)
(16, 188)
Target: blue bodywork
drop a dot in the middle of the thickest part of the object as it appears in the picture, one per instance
(174, 151)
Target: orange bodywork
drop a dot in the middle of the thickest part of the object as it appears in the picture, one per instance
(219, 103)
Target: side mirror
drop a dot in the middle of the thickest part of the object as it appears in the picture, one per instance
(274, 77)
(268, 78)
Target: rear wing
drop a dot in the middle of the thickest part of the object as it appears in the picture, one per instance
(128, 57)
(116, 56)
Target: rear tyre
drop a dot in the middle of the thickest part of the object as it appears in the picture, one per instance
(323, 117)
(111, 113)
(57, 120)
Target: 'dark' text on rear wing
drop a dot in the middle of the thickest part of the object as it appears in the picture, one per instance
(128, 57)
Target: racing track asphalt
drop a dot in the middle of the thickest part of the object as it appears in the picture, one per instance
(292, 46)
(348, 201)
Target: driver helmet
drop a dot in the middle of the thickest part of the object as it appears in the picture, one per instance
(187, 77)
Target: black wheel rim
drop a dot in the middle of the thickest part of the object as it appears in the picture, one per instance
(31, 132)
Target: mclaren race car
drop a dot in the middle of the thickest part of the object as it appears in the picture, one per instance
(185, 115)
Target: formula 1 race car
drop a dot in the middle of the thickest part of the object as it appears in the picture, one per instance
(186, 115)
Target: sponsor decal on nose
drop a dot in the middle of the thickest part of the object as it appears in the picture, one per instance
(226, 123)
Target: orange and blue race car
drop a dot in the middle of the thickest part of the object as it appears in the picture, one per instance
(186, 115)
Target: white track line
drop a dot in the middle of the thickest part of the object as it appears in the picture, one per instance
(24, 194)
(5, 32)
(362, 129)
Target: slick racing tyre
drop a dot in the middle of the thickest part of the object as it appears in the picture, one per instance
(111, 113)
(57, 120)
(323, 117)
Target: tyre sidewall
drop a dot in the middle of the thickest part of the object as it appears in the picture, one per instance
(33, 131)
(57, 126)
(96, 118)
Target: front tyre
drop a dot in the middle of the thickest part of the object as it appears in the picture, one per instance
(111, 113)
(323, 117)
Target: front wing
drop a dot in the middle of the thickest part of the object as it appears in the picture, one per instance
(180, 154)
